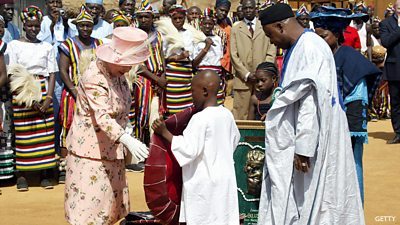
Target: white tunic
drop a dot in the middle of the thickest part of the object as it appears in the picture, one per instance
(307, 119)
(214, 55)
(205, 153)
(37, 58)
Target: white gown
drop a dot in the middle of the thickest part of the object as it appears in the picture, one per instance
(205, 153)
(307, 119)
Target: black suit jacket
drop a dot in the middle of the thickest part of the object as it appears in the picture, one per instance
(390, 38)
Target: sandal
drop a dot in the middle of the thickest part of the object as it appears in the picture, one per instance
(22, 184)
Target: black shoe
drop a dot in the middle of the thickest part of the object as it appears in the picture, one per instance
(46, 184)
(22, 184)
(395, 140)
(135, 167)
(61, 177)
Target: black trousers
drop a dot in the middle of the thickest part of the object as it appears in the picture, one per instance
(394, 91)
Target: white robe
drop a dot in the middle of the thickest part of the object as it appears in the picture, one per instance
(307, 119)
(205, 153)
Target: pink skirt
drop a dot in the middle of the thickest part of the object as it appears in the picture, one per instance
(96, 191)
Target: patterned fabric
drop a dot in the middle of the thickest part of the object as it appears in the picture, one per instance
(84, 16)
(381, 102)
(302, 10)
(389, 9)
(177, 9)
(223, 30)
(31, 13)
(100, 118)
(5, 94)
(34, 134)
(96, 192)
(143, 90)
(208, 12)
(178, 94)
(71, 48)
(119, 16)
(7, 162)
(222, 88)
(145, 7)
(143, 95)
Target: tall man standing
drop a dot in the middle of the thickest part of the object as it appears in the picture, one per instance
(309, 171)
(249, 47)
(11, 32)
(101, 27)
(390, 38)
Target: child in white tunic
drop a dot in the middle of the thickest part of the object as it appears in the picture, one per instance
(205, 153)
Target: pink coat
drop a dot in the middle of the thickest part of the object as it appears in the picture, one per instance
(101, 114)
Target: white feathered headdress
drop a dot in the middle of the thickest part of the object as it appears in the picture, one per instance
(26, 88)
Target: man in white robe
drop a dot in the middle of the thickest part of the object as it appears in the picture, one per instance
(205, 153)
(309, 171)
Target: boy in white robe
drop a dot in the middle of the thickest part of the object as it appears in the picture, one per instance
(309, 170)
(205, 153)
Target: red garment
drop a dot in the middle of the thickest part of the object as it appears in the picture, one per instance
(163, 175)
(351, 38)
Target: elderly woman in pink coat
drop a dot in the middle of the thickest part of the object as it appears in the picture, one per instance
(96, 189)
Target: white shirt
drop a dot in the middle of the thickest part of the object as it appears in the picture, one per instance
(37, 58)
(101, 30)
(214, 54)
(205, 153)
(45, 32)
(253, 23)
(188, 43)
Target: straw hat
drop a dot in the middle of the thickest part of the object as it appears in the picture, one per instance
(128, 47)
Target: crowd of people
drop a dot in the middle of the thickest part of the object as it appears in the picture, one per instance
(83, 91)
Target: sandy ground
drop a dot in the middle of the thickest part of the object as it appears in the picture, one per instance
(382, 189)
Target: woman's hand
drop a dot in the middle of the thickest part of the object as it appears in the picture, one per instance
(162, 81)
(46, 104)
(37, 106)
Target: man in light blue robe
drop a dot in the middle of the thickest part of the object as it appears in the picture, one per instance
(101, 28)
(11, 32)
(309, 172)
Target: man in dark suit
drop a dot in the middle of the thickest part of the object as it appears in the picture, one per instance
(390, 37)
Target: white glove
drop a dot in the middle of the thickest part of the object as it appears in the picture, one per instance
(136, 147)
(129, 128)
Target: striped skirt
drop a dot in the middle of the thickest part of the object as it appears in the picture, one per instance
(34, 136)
(143, 96)
(222, 85)
(67, 107)
(178, 93)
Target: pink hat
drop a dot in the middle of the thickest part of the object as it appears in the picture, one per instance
(128, 47)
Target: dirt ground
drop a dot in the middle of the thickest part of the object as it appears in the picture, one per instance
(382, 189)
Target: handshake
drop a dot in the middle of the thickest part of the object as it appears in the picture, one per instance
(138, 149)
